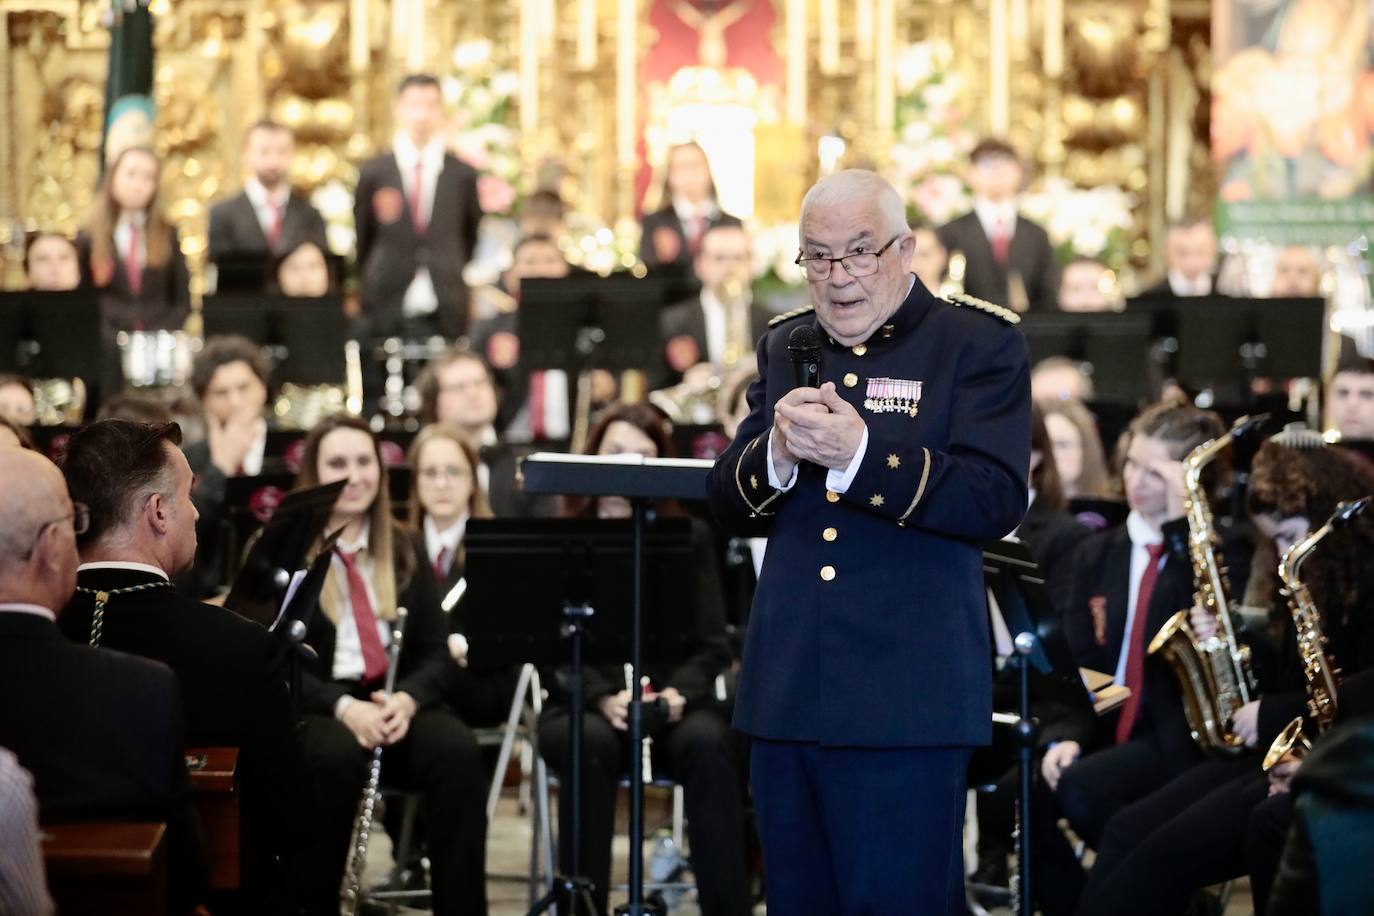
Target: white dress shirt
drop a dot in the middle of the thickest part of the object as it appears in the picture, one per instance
(420, 297)
(448, 539)
(1182, 286)
(689, 214)
(348, 651)
(1142, 538)
(119, 564)
(23, 885)
(252, 460)
(993, 214)
(123, 236)
(19, 607)
(717, 319)
(266, 204)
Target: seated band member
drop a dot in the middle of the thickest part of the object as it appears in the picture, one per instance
(301, 272)
(1193, 832)
(76, 698)
(233, 682)
(378, 567)
(1127, 582)
(445, 493)
(695, 745)
(51, 262)
(671, 236)
(130, 253)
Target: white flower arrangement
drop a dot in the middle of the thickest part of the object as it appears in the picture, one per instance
(480, 94)
(775, 253)
(334, 200)
(932, 139)
(1083, 222)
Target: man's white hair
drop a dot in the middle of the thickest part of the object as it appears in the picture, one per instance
(857, 184)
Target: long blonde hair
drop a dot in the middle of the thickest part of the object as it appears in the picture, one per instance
(105, 214)
(391, 567)
(479, 506)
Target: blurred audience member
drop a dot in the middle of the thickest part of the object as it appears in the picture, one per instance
(1086, 286)
(543, 213)
(1297, 273)
(1350, 399)
(929, 259)
(13, 436)
(1190, 257)
(51, 262)
(1058, 378)
(131, 252)
(1009, 258)
(302, 271)
(130, 406)
(16, 399)
(1077, 447)
(671, 236)
(266, 218)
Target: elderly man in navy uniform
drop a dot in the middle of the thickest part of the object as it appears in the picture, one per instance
(867, 675)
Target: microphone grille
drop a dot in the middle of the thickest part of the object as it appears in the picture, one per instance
(803, 337)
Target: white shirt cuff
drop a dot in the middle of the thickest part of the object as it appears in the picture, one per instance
(773, 472)
(343, 703)
(838, 481)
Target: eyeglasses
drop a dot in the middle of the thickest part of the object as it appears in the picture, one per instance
(81, 523)
(859, 264)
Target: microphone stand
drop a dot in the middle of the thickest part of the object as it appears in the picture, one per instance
(1025, 734)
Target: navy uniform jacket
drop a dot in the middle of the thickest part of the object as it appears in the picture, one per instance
(869, 626)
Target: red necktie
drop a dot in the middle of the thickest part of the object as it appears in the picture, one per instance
(698, 230)
(417, 198)
(441, 564)
(1135, 657)
(374, 656)
(274, 227)
(133, 270)
(1001, 242)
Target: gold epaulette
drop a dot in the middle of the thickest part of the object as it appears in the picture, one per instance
(788, 316)
(982, 305)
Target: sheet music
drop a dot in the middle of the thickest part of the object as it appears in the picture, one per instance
(628, 459)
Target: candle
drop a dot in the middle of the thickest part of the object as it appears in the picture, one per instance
(796, 61)
(829, 36)
(999, 103)
(863, 28)
(415, 50)
(1054, 38)
(625, 81)
(358, 50)
(586, 34)
(529, 68)
(885, 81)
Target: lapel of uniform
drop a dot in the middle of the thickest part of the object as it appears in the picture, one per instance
(1116, 578)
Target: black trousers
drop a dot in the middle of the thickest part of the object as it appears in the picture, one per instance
(1265, 836)
(440, 759)
(1188, 835)
(700, 752)
(1090, 791)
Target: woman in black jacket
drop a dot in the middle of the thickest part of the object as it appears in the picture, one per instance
(692, 742)
(378, 566)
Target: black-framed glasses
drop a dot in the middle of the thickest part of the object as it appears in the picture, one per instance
(81, 523)
(858, 264)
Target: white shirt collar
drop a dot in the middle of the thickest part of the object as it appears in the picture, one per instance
(687, 211)
(1182, 286)
(19, 607)
(359, 544)
(407, 153)
(138, 218)
(1140, 532)
(252, 461)
(449, 538)
(118, 564)
(991, 212)
(260, 197)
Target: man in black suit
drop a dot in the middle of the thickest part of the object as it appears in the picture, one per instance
(416, 214)
(137, 484)
(99, 731)
(1008, 258)
(1190, 258)
(720, 326)
(266, 217)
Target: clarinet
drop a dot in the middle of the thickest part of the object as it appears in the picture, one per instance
(350, 893)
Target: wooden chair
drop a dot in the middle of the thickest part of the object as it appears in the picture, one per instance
(113, 869)
(213, 792)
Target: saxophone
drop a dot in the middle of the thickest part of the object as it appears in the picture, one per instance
(1214, 673)
(1322, 676)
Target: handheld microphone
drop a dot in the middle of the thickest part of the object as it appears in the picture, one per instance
(804, 348)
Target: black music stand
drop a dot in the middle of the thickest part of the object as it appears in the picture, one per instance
(287, 536)
(580, 323)
(64, 339)
(1047, 669)
(640, 480)
(1115, 349)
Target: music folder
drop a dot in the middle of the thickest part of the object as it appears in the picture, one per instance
(631, 476)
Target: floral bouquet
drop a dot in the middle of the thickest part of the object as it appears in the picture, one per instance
(1083, 222)
(932, 143)
(480, 94)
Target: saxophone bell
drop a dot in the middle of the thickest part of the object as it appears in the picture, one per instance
(1292, 743)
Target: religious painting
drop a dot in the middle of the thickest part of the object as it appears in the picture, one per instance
(1292, 117)
(711, 74)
